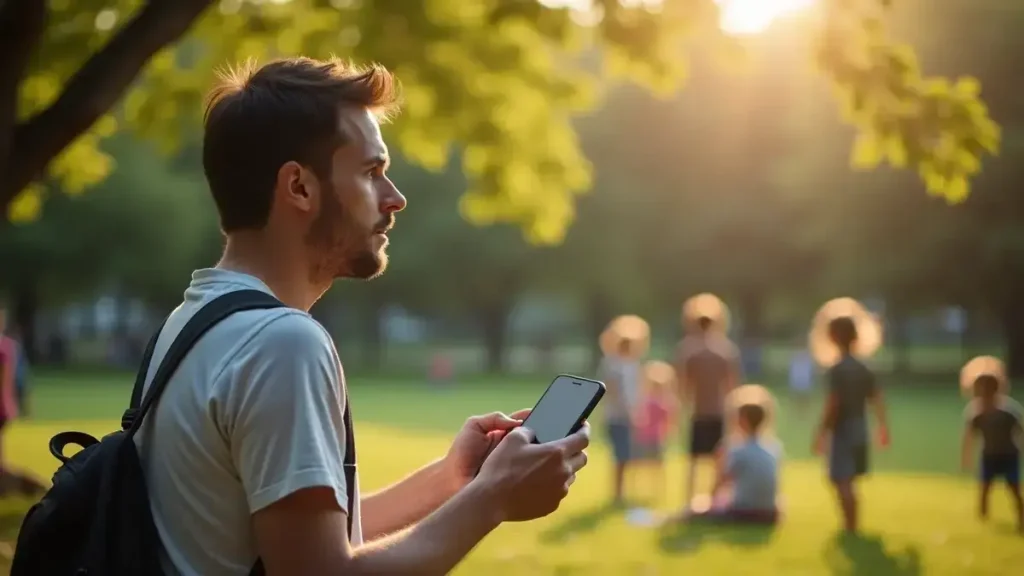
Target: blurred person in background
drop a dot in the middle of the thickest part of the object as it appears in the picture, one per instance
(21, 373)
(620, 371)
(801, 377)
(245, 456)
(9, 360)
(843, 432)
(747, 480)
(707, 369)
(996, 418)
(655, 417)
(442, 368)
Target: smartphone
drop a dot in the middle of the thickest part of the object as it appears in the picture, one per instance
(563, 408)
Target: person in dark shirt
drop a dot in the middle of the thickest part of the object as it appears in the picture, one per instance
(843, 432)
(996, 418)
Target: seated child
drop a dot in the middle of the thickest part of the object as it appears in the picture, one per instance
(747, 485)
(653, 421)
(997, 419)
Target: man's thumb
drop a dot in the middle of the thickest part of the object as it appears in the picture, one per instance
(521, 435)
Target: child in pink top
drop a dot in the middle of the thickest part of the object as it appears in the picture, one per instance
(653, 421)
(8, 396)
(8, 364)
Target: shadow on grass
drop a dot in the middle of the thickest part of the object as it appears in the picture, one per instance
(1010, 529)
(688, 537)
(866, 555)
(581, 523)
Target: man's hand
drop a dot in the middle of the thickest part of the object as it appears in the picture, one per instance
(478, 437)
(529, 481)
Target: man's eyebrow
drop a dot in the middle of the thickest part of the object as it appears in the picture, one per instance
(380, 159)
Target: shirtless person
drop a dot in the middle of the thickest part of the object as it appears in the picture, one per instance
(707, 369)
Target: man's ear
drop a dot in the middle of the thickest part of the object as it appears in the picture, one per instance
(297, 186)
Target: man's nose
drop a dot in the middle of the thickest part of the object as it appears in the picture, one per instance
(391, 199)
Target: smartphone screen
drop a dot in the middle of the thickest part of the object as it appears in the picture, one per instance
(567, 399)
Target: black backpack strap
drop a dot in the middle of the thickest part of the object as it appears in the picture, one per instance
(207, 317)
(349, 462)
(140, 379)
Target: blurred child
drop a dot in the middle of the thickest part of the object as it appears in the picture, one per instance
(620, 371)
(8, 395)
(747, 483)
(707, 369)
(996, 418)
(654, 419)
(844, 425)
(801, 379)
(442, 369)
(21, 374)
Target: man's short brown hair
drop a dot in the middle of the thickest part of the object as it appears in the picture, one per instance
(258, 118)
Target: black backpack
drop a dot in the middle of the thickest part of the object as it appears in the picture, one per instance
(96, 520)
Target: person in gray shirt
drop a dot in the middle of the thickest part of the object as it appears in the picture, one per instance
(844, 427)
(246, 456)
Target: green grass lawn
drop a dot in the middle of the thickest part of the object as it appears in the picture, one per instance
(919, 512)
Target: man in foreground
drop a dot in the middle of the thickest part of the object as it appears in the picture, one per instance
(244, 455)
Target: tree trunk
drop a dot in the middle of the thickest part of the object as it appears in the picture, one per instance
(599, 313)
(374, 345)
(494, 325)
(1013, 332)
(751, 311)
(899, 340)
(28, 146)
(25, 313)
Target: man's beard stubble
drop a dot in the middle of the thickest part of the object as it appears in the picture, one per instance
(346, 246)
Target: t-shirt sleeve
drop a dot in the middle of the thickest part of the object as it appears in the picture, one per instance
(1014, 409)
(284, 413)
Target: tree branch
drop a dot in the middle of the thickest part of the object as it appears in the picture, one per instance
(94, 89)
(21, 26)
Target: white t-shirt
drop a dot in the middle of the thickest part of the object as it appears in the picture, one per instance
(624, 376)
(253, 413)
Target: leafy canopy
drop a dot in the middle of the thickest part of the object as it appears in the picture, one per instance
(501, 79)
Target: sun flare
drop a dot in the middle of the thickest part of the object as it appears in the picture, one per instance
(754, 16)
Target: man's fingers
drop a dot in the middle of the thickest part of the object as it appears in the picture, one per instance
(493, 421)
(577, 461)
(520, 414)
(494, 438)
(521, 435)
(575, 442)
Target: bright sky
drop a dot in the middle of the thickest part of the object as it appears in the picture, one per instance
(737, 16)
(753, 16)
